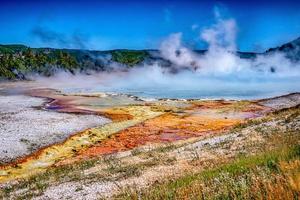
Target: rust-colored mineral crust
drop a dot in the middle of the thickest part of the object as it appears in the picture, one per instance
(134, 123)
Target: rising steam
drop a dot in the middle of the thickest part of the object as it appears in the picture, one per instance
(218, 72)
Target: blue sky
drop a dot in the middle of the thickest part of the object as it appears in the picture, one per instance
(144, 24)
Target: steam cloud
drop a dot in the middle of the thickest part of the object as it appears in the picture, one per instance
(218, 72)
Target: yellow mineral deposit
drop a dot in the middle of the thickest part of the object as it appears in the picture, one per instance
(133, 125)
(50, 155)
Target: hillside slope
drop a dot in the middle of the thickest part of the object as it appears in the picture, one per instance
(291, 49)
(17, 61)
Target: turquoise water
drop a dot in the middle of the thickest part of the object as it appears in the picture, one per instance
(191, 86)
(157, 93)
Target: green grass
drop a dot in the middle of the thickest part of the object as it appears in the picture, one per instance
(236, 180)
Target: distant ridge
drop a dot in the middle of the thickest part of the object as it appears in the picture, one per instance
(17, 61)
(291, 49)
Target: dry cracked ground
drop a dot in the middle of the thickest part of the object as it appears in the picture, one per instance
(108, 146)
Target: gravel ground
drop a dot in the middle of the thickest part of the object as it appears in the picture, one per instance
(285, 101)
(24, 129)
(106, 189)
(223, 146)
(247, 140)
